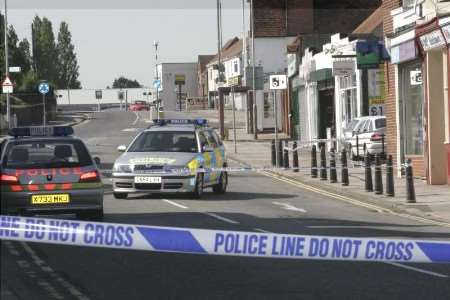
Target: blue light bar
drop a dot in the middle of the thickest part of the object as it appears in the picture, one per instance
(41, 131)
(197, 122)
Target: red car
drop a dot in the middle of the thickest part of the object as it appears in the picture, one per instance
(139, 105)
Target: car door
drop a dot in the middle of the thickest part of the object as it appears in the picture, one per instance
(212, 158)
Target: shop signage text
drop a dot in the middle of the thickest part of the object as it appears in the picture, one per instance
(432, 40)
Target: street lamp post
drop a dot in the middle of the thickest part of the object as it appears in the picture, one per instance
(156, 44)
(8, 104)
(255, 110)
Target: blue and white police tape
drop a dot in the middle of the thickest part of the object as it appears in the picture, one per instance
(218, 242)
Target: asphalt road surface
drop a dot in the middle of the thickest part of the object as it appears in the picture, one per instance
(254, 203)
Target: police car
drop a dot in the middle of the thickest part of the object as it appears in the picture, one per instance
(154, 159)
(47, 170)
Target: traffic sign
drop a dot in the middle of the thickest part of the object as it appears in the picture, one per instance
(15, 69)
(156, 83)
(278, 82)
(180, 79)
(98, 94)
(44, 88)
(7, 86)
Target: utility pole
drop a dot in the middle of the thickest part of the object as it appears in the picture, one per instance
(244, 54)
(8, 104)
(156, 43)
(254, 108)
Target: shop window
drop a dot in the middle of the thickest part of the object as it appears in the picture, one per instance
(412, 109)
(268, 107)
(348, 99)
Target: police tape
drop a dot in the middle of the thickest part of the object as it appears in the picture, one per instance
(187, 171)
(219, 242)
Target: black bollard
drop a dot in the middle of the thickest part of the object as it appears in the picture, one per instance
(295, 158)
(369, 183)
(273, 153)
(390, 190)
(410, 191)
(383, 136)
(280, 154)
(323, 164)
(314, 162)
(286, 155)
(344, 172)
(357, 149)
(378, 176)
(333, 172)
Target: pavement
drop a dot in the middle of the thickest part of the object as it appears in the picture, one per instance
(256, 202)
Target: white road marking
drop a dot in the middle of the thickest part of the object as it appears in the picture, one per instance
(137, 118)
(288, 206)
(130, 130)
(42, 265)
(261, 230)
(346, 226)
(175, 204)
(417, 270)
(353, 201)
(222, 218)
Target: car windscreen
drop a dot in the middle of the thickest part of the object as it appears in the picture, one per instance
(43, 154)
(380, 123)
(167, 141)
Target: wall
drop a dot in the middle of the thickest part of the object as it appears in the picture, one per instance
(169, 70)
(109, 96)
(271, 53)
(390, 105)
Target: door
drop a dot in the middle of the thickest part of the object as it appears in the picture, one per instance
(296, 113)
(326, 113)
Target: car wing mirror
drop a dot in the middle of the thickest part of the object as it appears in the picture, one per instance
(122, 148)
(97, 160)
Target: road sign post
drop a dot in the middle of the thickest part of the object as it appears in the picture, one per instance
(44, 88)
(234, 81)
(277, 82)
(98, 96)
(8, 88)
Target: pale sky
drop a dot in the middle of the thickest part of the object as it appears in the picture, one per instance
(112, 40)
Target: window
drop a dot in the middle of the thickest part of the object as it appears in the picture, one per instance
(411, 109)
(44, 154)
(165, 142)
(348, 99)
(210, 139)
(380, 123)
(236, 67)
(217, 138)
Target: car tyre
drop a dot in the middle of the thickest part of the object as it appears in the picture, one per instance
(198, 192)
(120, 195)
(221, 187)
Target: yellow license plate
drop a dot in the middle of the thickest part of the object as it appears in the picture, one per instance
(50, 199)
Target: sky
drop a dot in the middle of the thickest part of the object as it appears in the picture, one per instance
(114, 38)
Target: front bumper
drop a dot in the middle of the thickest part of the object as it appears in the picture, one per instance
(80, 200)
(124, 183)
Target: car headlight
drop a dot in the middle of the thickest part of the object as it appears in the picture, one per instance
(118, 168)
(177, 170)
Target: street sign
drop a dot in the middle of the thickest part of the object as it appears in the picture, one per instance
(180, 79)
(7, 86)
(43, 88)
(344, 67)
(234, 81)
(15, 69)
(278, 82)
(98, 94)
(156, 83)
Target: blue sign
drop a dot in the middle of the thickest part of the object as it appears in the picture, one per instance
(156, 83)
(44, 88)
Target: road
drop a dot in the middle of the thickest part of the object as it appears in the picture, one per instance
(255, 202)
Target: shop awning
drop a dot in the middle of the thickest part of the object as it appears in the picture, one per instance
(321, 75)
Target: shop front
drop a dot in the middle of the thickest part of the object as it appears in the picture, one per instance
(433, 48)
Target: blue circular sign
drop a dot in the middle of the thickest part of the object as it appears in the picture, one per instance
(157, 83)
(44, 88)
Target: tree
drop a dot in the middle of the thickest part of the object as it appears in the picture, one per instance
(44, 50)
(125, 83)
(68, 69)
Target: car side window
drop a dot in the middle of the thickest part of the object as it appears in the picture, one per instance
(203, 140)
(370, 126)
(217, 138)
(211, 140)
(360, 127)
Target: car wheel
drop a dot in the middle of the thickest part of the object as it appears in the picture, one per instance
(221, 187)
(198, 192)
(120, 195)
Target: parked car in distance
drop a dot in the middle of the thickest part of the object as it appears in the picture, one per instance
(139, 105)
(369, 131)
